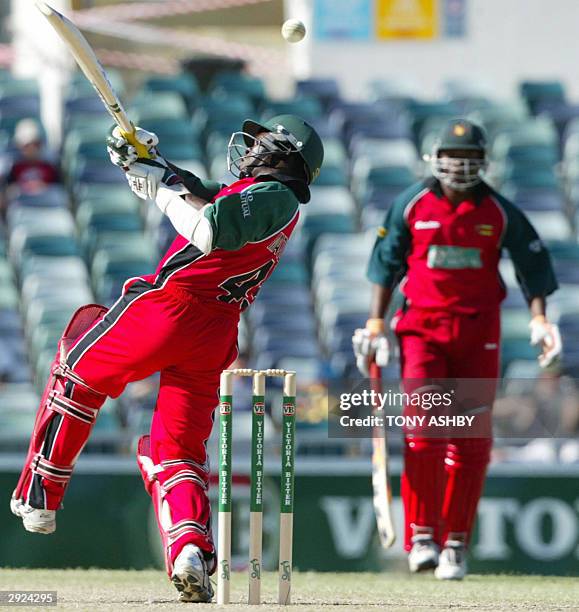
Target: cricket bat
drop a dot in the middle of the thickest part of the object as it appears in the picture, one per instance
(94, 72)
(380, 474)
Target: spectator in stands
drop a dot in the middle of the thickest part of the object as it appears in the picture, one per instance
(31, 171)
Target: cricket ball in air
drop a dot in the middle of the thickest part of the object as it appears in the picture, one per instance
(293, 30)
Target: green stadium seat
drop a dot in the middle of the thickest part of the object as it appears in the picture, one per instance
(94, 219)
(50, 245)
(52, 318)
(515, 324)
(308, 108)
(222, 115)
(157, 105)
(503, 116)
(35, 219)
(72, 268)
(37, 289)
(86, 129)
(389, 152)
(329, 200)
(530, 177)
(333, 176)
(119, 195)
(8, 296)
(184, 84)
(114, 267)
(172, 130)
(562, 249)
(421, 112)
(290, 272)
(394, 88)
(107, 420)
(335, 168)
(80, 85)
(38, 310)
(537, 92)
(217, 144)
(552, 225)
(128, 245)
(315, 226)
(178, 149)
(44, 341)
(18, 398)
(41, 366)
(228, 83)
(15, 425)
(6, 273)
(366, 175)
(18, 87)
(87, 126)
(126, 203)
(515, 350)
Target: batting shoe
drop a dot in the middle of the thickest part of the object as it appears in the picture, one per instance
(190, 576)
(423, 555)
(452, 562)
(36, 520)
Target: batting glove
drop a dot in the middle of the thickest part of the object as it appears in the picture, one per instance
(146, 176)
(371, 344)
(123, 154)
(548, 336)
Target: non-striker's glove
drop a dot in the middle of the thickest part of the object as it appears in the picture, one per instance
(548, 336)
(370, 344)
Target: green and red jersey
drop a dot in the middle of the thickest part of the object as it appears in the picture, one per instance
(447, 256)
(252, 220)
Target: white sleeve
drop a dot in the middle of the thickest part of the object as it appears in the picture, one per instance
(189, 221)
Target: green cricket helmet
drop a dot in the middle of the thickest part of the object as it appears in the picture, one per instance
(285, 134)
(449, 162)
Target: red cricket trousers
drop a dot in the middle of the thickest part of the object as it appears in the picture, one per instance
(443, 477)
(149, 329)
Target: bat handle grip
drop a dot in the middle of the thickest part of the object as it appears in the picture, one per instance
(141, 149)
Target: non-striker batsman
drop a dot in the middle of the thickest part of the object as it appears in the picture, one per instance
(442, 241)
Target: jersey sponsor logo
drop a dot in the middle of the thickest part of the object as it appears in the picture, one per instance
(277, 245)
(246, 198)
(426, 225)
(453, 258)
(485, 230)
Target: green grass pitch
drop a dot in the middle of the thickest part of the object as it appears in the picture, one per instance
(114, 590)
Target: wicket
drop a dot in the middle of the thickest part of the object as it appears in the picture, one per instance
(257, 474)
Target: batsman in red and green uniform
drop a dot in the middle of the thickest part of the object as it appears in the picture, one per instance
(182, 322)
(442, 241)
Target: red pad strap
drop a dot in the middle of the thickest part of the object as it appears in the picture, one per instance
(68, 407)
(173, 462)
(61, 369)
(185, 526)
(51, 471)
(183, 476)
